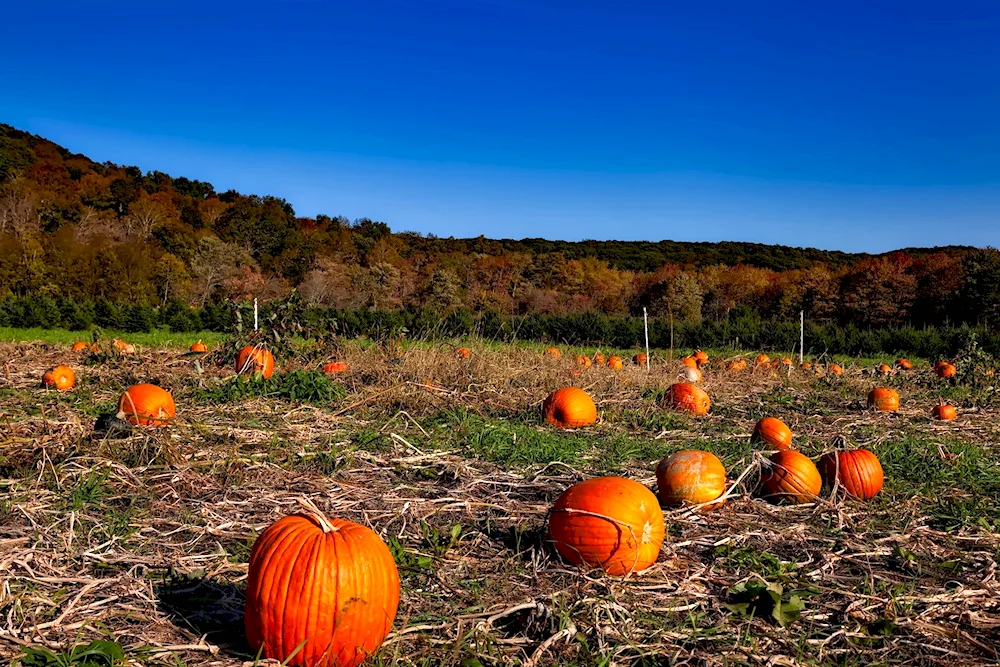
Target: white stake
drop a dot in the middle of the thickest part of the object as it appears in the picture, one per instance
(255, 314)
(645, 325)
(802, 336)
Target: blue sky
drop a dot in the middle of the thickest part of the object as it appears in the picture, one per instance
(849, 125)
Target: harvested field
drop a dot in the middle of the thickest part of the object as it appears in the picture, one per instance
(143, 538)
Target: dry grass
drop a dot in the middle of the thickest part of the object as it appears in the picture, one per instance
(145, 539)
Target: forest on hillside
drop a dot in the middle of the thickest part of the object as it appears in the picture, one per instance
(78, 230)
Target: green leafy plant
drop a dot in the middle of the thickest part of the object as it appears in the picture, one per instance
(98, 653)
(760, 599)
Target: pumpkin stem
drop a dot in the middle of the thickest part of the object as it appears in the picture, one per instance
(317, 514)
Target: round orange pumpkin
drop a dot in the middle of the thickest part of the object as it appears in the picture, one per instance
(791, 476)
(690, 362)
(336, 367)
(553, 353)
(690, 476)
(687, 397)
(615, 363)
(736, 365)
(80, 347)
(885, 369)
(858, 471)
(805, 365)
(147, 405)
(945, 370)
(640, 359)
(944, 412)
(96, 348)
(61, 377)
(199, 347)
(583, 360)
(255, 359)
(774, 432)
(463, 353)
(329, 586)
(599, 359)
(701, 356)
(905, 364)
(608, 522)
(569, 407)
(119, 344)
(786, 362)
(835, 369)
(883, 399)
(762, 359)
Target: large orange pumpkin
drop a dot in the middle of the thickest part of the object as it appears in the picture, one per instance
(147, 405)
(774, 432)
(80, 346)
(553, 352)
(944, 412)
(945, 370)
(569, 407)
(615, 363)
(199, 347)
(640, 359)
(690, 476)
(883, 399)
(835, 369)
(858, 471)
(687, 397)
(463, 353)
(61, 377)
(905, 364)
(583, 360)
(599, 359)
(336, 367)
(608, 522)
(328, 585)
(790, 476)
(255, 359)
(690, 362)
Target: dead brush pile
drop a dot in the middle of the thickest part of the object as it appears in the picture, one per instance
(144, 539)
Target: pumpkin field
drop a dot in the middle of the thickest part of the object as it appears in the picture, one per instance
(711, 508)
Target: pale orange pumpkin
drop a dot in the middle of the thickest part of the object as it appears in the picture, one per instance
(255, 359)
(687, 397)
(608, 522)
(199, 347)
(690, 476)
(640, 359)
(336, 367)
(327, 588)
(583, 360)
(147, 405)
(553, 353)
(786, 362)
(858, 471)
(79, 347)
(569, 407)
(463, 353)
(615, 363)
(791, 476)
(61, 377)
(691, 375)
(944, 412)
(883, 399)
(774, 432)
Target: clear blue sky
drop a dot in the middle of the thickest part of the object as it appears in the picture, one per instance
(848, 125)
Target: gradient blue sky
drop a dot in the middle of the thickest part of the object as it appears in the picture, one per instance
(845, 125)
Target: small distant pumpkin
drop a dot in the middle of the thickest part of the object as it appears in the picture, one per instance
(599, 359)
(904, 364)
(786, 362)
(583, 360)
(774, 432)
(858, 471)
(762, 359)
(553, 353)
(691, 375)
(690, 362)
(615, 363)
(885, 369)
(945, 370)
(61, 377)
(147, 405)
(736, 365)
(123, 347)
(96, 348)
(569, 407)
(806, 366)
(608, 522)
(79, 347)
(835, 369)
(336, 367)
(701, 357)
(790, 476)
(687, 397)
(944, 412)
(255, 359)
(640, 359)
(463, 353)
(884, 399)
(690, 476)
(199, 347)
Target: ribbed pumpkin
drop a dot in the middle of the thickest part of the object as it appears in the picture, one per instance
(199, 347)
(774, 432)
(463, 353)
(328, 584)
(690, 476)
(599, 359)
(701, 357)
(79, 347)
(147, 405)
(553, 353)
(905, 364)
(736, 365)
(255, 359)
(690, 362)
(640, 359)
(858, 471)
(883, 399)
(336, 367)
(691, 374)
(944, 412)
(790, 476)
(687, 397)
(569, 407)
(885, 369)
(615, 363)
(835, 369)
(945, 370)
(583, 360)
(61, 377)
(608, 522)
